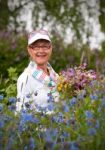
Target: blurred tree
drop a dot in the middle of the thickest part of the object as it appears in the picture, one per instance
(5, 13)
(57, 14)
(102, 15)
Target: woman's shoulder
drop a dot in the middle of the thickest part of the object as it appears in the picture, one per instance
(23, 77)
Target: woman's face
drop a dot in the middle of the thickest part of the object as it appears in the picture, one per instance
(40, 51)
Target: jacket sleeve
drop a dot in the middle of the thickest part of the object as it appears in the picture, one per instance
(23, 90)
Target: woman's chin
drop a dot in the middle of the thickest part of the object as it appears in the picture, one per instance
(41, 63)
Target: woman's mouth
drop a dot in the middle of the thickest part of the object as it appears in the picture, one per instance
(41, 55)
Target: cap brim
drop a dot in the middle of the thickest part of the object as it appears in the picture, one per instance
(38, 37)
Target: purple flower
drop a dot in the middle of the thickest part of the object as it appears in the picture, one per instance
(71, 72)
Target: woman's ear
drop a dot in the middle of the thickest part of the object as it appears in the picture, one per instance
(29, 50)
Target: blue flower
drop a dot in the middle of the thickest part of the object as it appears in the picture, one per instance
(65, 134)
(1, 97)
(48, 136)
(89, 123)
(103, 102)
(74, 146)
(60, 117)
(10, 143)
(27, 117)
(21, 127)
(73, 101)
(1, 107)
(32, 143)
(94, 97)
(65, 108)
(27, 105)
(54, 132)
(12, 107)
(25, 148)
(51, 107)
(35, 120)
(82, 94)
(88, 114)
(54, 119)
(91, 131)
(50, 97)
(97, 124)
(28, 95)
(2, 123)
(12, 100)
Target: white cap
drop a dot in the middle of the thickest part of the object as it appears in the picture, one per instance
(37, 35)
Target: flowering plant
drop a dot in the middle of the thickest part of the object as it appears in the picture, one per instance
(77, 122)
(74, 79)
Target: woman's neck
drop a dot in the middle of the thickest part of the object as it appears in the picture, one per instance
(44, 68)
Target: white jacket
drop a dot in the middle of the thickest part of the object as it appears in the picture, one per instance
(35, 88)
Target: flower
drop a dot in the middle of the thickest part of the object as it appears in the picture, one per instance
(74, 79)
(91, 131)
(12, 100)
(1, 107)
(88, 114)
(1, 97)
(32, 143)
(75, 121)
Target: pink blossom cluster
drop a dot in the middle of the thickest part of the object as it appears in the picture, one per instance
(78, 77)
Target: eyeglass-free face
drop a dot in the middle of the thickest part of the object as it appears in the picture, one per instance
(40, 51)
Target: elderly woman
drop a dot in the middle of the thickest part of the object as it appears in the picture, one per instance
(36, 86)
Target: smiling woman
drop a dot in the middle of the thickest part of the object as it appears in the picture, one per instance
(36, 86)
(40, 51)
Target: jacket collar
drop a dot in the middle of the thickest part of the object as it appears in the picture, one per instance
(41, 76)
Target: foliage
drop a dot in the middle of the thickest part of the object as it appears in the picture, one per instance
(76, 122)
(13, 51)
(8, 88)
